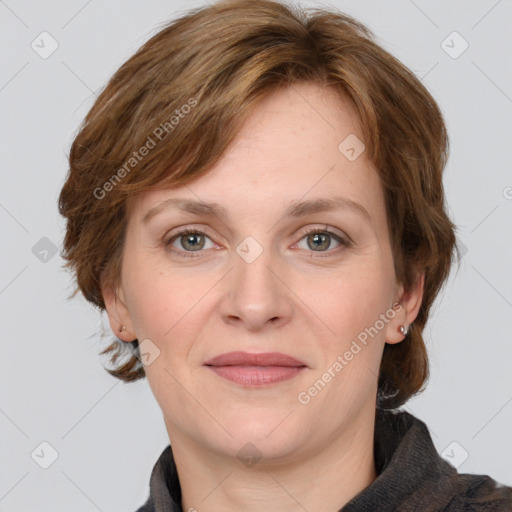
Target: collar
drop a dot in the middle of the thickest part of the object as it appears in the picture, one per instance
(412, 476)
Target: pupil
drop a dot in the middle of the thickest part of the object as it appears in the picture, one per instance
(319, 240)
(193, 241)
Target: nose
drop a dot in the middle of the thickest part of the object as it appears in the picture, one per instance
(257, 296)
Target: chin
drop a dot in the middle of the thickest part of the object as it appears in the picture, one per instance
(250, 449)
(268, 432)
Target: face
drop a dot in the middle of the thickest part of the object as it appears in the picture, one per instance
(298, 263)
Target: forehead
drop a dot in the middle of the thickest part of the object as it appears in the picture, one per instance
(296, 144)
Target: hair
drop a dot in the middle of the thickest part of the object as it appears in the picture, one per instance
(169, 113)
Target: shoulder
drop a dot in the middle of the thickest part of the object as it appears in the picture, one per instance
(480, 493)
(147, 507)
(413, 477)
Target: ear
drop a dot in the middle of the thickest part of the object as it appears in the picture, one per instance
(406, 310)
(118, 313)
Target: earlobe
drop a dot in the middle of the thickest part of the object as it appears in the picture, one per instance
(408, 307)
(118, 314)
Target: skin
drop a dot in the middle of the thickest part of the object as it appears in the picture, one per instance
(305, 302)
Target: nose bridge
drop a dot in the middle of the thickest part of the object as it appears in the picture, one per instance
(256, 296)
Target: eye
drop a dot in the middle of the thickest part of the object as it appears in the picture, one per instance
(189, 240)
(320, 240)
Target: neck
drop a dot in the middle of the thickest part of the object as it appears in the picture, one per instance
(323, 479)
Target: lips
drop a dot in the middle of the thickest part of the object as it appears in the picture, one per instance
(255, 370)
(247, 359)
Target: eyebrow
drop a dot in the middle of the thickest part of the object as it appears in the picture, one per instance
(296, 209)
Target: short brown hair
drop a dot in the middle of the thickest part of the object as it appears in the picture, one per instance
(219, 61)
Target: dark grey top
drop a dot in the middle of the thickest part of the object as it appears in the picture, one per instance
(412, 476)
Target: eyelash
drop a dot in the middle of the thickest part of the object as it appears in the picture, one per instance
(344, 243)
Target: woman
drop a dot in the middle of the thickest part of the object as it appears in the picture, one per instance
(256, 200)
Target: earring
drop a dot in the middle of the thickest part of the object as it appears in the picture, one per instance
(122, 328)
(403, 330)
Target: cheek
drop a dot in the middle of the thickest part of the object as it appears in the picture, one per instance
(352, 300)
(166, 305)
(351, 356)
(157, 303)
(152, 295)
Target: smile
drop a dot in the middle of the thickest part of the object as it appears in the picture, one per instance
(255, 370)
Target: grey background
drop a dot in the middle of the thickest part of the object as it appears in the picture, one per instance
(108, 435)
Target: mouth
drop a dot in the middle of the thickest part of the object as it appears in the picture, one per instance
(255, 370)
